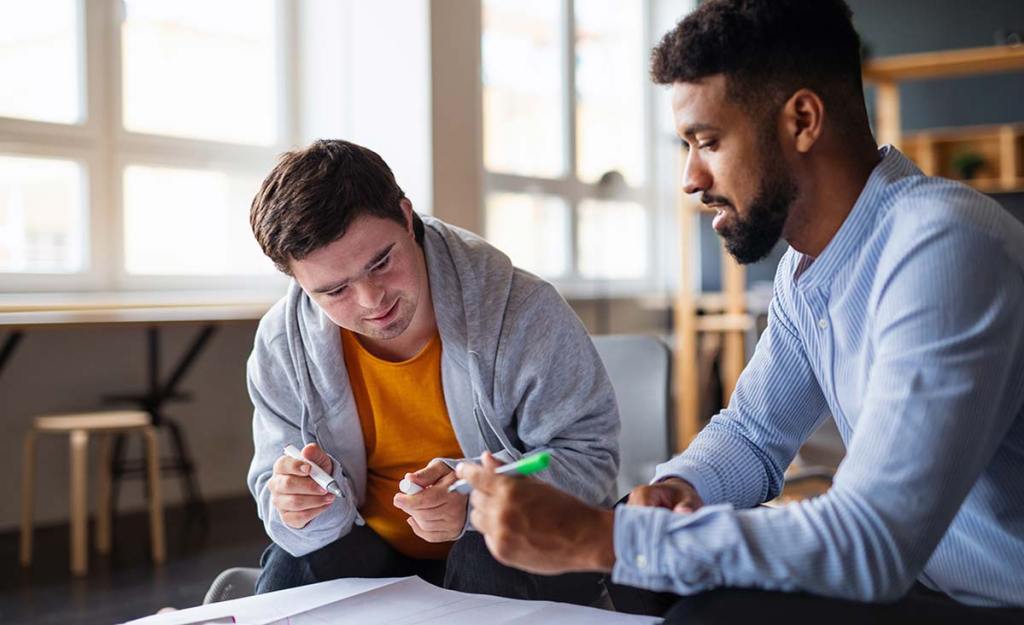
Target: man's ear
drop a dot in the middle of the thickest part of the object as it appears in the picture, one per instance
(407, 212)
(802, 119)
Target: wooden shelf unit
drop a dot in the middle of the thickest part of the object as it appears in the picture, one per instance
(1000, 145)
(1001, 148)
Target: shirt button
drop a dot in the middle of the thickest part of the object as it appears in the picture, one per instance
(641, 561)
(822, 324)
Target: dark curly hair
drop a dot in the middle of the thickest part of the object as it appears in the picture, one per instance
(313, 195)
(767, 50)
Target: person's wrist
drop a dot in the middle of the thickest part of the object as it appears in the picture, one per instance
(600, 542)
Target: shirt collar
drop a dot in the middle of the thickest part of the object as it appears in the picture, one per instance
(859, 223)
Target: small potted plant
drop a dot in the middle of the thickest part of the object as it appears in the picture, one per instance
(967, 164)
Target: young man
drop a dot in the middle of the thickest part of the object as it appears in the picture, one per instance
(897, 311)
(403, 343)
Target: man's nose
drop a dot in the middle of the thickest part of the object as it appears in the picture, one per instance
(368, 294)
(696, 177)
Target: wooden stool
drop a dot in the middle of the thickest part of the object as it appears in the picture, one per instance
(79, 426)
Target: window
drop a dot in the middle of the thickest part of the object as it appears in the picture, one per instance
(136, 139)
(566, 139)
(42, 215)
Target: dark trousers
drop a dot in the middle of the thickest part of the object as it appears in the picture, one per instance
(735, 605)
(469, 568)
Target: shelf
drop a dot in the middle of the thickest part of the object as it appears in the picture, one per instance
(947, 63)
(1001, 149)
(725, 323)
(887, 73)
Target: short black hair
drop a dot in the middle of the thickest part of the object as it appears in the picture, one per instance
(767, 50)
(314, 194)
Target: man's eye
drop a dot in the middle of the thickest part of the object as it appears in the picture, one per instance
(336, 292)
(711, 144)
(382, 264)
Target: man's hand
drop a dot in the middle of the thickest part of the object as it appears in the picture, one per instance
(296, 496)
(673, 493)
(536, 527)
(435, 515)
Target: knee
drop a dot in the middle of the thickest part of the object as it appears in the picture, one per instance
(282, 570)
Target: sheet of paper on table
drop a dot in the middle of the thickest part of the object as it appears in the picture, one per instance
(401, 601)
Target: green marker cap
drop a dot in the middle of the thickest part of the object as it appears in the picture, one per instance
(533, 464)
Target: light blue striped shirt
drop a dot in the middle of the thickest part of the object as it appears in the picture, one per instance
(909, 330)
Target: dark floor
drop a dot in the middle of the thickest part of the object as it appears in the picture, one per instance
(125, 585)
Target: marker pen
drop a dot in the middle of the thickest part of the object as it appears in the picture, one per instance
(319, 475)
(527, 465)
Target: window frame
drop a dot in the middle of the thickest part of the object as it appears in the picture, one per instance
(572, 190)
(103, 147)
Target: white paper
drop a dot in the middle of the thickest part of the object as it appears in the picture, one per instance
(412, 601)
(270, 606)
(390, 601)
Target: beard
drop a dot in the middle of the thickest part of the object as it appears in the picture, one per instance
(751, 238)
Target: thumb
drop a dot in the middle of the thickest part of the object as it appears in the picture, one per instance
(429, 474)
(683, 508)
(319, 457)
(489, 462)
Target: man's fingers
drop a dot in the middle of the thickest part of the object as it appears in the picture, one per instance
(479, 519)
(437, 496)
(655, 495)
(295, 485)
(489, 461)
(313, 453)
(643, 496)
(481, 477)
(298, 520)
(286, 465)
(430, 474)
(431, 536)
(299, 503)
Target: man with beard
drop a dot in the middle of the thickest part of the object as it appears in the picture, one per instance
(402, 343)
(896, 311)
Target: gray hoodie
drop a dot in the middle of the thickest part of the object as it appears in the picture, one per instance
(518, 370)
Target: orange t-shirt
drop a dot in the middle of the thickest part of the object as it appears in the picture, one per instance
(405, 425)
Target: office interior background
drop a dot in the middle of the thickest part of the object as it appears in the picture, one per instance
(134, 134)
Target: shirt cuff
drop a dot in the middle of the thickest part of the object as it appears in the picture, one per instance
(637, 537)
(652, 550)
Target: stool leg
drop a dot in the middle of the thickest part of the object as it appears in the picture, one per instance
(79, 512)
(103, 509)
(156, 509)
(183, 460)
(28, 499)
(116, 471)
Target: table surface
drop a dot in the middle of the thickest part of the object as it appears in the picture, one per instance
(34, 310)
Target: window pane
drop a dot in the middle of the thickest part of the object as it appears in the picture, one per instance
(612, 240)
(189, 222)
(611, 78)
(531, 229)
(42, 215)
(522, 87)
(39, 60)
(201, 69)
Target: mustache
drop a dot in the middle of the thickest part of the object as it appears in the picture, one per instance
(707, 198)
